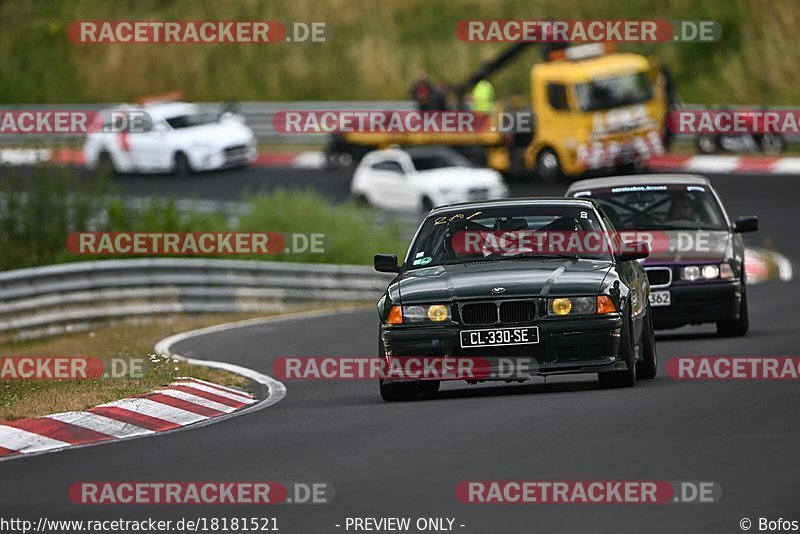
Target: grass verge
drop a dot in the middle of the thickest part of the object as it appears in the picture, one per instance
(132, 338)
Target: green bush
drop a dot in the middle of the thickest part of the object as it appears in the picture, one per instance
(40, 211)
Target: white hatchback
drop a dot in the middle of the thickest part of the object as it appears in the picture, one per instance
(175, 137)
(422, 178)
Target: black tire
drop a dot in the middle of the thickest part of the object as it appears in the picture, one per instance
(647, 366)
(737, 327)
(361, 200)
(404, 391)
(626, 378)
(429, 386)
(182, 167)
(707, 144)
(548, 166)
(771, 144)
(338, 160)
(426, 205)
(105, 164)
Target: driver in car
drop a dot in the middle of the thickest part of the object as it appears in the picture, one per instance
(683, 208)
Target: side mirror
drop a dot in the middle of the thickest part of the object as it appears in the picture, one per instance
(638, 250)
(386, 263)
(747, 223)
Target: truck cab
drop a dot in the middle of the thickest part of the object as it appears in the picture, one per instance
(594, 111)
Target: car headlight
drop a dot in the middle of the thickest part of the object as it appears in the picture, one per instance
(710, 271)
(422, 313)
(580, 306)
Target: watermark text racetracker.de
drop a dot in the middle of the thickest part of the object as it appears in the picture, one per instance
(734, 368)
(401, 122)
(735, 122)
(72, 121)
(588, 31)
(193, 243)
(587, 492)
(200, 493)
(196, 32)
(71, 367)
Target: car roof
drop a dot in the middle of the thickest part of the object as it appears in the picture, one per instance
(515, 202)
(638, 179)
(412, 151)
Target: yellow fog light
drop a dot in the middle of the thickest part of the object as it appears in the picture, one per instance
(437, 313)
(561, 306)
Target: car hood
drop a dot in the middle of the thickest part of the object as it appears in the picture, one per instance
(459, 177)
(685, 246)
(519, 278)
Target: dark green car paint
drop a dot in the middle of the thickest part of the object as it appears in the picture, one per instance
(536, 278)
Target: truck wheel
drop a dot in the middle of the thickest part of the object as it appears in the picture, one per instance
(647, 366)
(548, 166)
(626, 378)
(737, 327)
(707, 144)
(771, 144)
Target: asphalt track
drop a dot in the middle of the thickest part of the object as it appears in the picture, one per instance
(405, 460)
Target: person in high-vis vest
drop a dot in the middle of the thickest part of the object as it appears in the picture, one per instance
(483, 96)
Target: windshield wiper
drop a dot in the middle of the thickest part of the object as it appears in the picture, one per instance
(540, 255)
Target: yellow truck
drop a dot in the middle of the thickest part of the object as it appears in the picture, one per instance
(593, 111)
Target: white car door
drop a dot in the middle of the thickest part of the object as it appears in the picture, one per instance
(389, 184)
(150, 149)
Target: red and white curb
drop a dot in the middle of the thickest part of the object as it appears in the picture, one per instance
(725, 164)
(721, 164)
(65, 156)
(184, 402)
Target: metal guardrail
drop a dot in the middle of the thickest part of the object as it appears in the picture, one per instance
(53, 298)
(258, 116)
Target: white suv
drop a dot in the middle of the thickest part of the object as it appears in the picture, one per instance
(174, 137)
(422, 178)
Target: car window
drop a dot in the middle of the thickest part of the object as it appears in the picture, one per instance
(388, 165)
(614, 92)
(439, 160)
(557, 96)
(191, 120)
(495, 234)
(661, 207)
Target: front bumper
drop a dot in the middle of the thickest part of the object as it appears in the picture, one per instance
(566, 346)
(238, 156)
(699, 302)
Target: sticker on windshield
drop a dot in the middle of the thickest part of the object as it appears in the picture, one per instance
(445, 219)
(420, 254)
(584, 215)
(423, 261)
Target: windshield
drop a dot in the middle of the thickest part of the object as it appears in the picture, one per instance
(194, 119)
(614, 92)
(439, 159)
(660, 207)
(534, 231)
